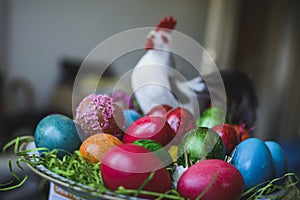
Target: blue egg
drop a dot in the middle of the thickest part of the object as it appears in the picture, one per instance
(57, 132)
(254, 160)
(279, 158)
(130, 116)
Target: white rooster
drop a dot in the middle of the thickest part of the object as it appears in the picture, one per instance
(154, 79)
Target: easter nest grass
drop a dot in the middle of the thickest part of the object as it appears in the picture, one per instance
(82, 178)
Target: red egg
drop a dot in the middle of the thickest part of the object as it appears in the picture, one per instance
(225, 180)
(149, 127)
(229, 136)
(181, 121)
(129, 165)
(159, 110)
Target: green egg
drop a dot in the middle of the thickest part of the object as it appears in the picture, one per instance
(211, 117)
(200, 143)
(157, 149)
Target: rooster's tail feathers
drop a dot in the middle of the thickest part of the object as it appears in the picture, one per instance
(197, 84)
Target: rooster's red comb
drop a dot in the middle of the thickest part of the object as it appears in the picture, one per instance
(166, 24)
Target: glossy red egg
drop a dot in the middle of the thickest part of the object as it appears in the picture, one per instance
(226, 181)
(159, 110)
(129, 165)
(149, 127)
(181, 121)
(229, 136)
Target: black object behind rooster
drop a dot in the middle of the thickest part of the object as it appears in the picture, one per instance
(242, 104)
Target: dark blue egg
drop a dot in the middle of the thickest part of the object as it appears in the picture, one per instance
(279, 158)
(57, 132)
(130, 116)
(254, 160)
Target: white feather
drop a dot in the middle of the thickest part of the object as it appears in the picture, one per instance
(151, 78)
(150, 81)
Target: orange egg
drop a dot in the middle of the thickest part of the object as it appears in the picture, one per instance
(95, 146)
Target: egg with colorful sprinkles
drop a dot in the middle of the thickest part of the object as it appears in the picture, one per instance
(97, 113)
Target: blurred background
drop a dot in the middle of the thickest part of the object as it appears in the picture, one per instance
(43, 42)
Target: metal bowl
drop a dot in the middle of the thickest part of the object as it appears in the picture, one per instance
(72, 187)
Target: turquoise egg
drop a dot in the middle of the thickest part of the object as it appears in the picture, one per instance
(279, 158)
(130, 116)
(254, 160)
(57, 132)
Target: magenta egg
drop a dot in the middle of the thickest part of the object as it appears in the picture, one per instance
(224, 180)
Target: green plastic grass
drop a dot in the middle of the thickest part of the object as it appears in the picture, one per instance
(81, 170)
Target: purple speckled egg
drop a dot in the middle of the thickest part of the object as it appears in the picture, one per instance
(99, 114)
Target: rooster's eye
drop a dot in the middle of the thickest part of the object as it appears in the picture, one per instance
(152, 36)
(165, 39)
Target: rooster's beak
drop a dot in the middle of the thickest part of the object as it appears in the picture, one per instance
(149, 44)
